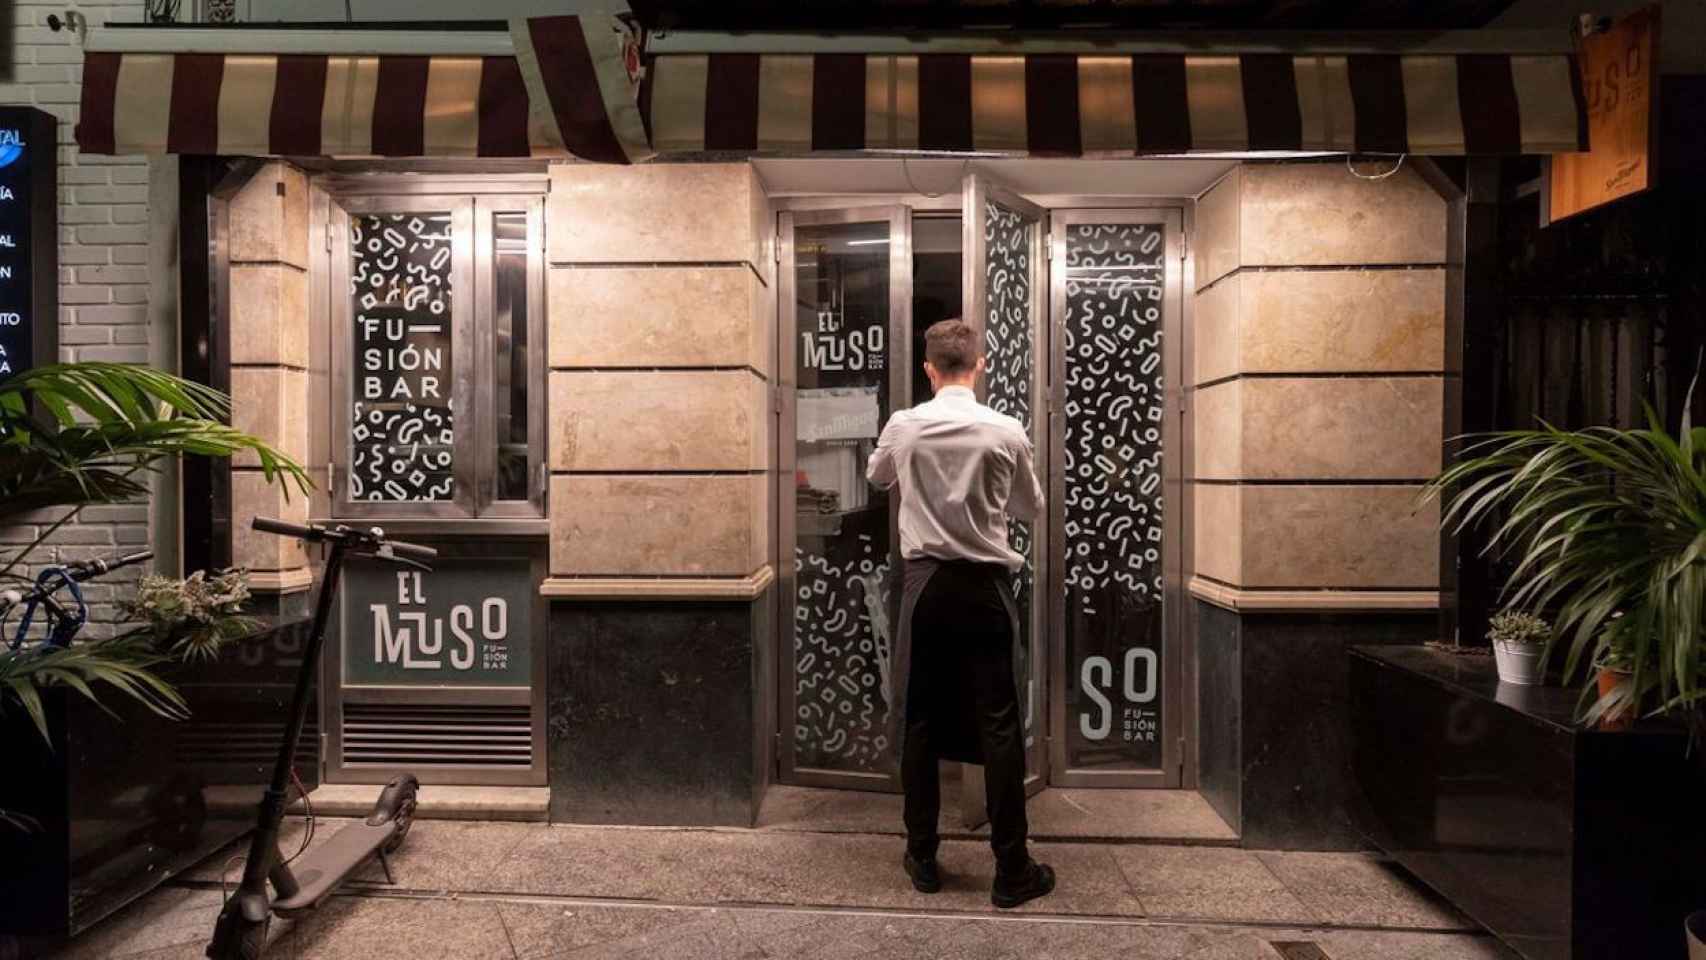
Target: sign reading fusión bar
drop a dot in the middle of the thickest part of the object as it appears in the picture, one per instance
(466, 623)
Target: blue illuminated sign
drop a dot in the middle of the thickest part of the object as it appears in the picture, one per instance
(28, 255)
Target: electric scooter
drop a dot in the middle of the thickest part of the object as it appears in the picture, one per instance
(302, 883)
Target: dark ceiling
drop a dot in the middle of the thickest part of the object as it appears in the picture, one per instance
(889, 15)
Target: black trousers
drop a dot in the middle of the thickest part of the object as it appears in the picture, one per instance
(962, 661)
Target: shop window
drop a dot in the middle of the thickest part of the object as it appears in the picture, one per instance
(437, 325)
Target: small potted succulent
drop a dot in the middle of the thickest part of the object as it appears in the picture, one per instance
(1519, 643)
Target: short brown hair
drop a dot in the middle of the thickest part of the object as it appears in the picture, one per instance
(951, 346)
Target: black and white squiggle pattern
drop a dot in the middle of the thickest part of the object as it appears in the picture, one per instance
(402, 422)
(841, 651)
(1009, 331)
(1115, 282)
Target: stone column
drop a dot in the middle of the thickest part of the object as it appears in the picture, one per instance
(661, 433)
(1317, 388)
(268, 254)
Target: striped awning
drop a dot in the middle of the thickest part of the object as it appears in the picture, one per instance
(555, 85)
(1074, 104)
(362, 101)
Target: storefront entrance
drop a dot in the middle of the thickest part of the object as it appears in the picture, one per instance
(1079, 303)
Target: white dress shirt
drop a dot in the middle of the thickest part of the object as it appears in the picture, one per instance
(962, 469)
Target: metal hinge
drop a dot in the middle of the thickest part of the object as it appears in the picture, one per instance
(775, 249)
(328, 236)
(1181, 758)
(776, 399)
(1048, 248)
(1184, 245)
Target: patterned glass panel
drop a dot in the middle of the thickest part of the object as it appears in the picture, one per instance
(841, 551)
(1010, 331)
(401, 422)
(1115, 285)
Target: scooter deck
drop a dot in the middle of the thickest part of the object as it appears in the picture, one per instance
(321, 870)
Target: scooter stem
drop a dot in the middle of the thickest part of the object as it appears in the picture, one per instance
(264, 861)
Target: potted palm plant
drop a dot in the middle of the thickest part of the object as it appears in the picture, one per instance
(1518, 641)
(1608, 528)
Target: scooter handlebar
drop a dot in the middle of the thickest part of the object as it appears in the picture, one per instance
(413, 551)
(286, 529)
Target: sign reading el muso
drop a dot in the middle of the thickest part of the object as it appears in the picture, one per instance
(466, 623)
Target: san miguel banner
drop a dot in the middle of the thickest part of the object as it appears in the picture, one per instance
(1620, 75)
(29, 243)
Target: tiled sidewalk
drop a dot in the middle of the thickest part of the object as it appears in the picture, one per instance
(470, 889)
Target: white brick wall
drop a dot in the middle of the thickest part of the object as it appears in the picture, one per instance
(103, 257)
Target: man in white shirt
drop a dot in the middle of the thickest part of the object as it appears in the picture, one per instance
(962, 470)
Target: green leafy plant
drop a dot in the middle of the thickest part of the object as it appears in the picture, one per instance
(1514, 626)
(77, 434)
(1608, 528)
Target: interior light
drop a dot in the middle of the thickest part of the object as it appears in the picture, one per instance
(867, 243)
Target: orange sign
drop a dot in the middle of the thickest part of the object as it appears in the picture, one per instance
(1620, 84)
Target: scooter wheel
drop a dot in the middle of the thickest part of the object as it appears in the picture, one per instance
(246, 942)
(401, 802)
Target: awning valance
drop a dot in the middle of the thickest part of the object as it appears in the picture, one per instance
(364, 95)
(567, 85)
(1071, 104)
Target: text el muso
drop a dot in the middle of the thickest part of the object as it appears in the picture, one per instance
(833, 347)
(416, 640)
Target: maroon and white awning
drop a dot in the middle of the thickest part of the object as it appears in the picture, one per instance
(364, 93)
(554, 85)
(1076, 104)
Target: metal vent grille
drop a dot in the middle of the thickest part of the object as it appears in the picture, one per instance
(413, 735)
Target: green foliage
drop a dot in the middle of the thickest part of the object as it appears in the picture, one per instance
(1608, 528)
(104, 424)
(77, 434)
(1514, 626)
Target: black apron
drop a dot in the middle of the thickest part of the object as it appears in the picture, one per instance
(955, 741)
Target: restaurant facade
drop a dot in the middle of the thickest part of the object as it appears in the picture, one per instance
(613, 320)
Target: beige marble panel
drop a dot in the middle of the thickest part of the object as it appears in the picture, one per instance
(1319, 428)
(1338, 535)
(659, 317)
(269, 218)
(631, 525)
(1217, 423)
(1218, 226)
(269, 315)
(252, 496)
(1216, 538)
(1319, 213)
(271, 403)
(1339, 321)
(666, 212)
(1217, 330)
(662, 420)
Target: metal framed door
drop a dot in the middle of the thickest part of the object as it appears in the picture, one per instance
(1117, 657)
(1005, 299)
(845, 292)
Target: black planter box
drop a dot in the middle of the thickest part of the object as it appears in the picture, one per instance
(1564, 842)
(122, 803)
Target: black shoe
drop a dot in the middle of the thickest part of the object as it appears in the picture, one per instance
(926, 876)
(1035, 881)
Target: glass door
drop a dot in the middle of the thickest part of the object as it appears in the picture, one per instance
(845, 293)
(1005, 285)
(1116, 667)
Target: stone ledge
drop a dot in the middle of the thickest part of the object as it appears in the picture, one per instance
(281, 581)
(674, 588)
(436, 802)
(1324, 601)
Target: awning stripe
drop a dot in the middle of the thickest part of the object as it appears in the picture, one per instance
(503, 109)
(1055, 104)
(297, 96)
(193, 125)
(100, 91)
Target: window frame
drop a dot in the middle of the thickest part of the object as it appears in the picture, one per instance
(474, 354)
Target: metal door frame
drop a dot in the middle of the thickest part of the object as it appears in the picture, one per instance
(977, 191)
(899, 218)
(1174, 720)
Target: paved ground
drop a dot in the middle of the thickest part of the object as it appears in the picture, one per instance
(511, 890)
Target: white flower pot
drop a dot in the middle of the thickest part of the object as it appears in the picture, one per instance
(1518, 662)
